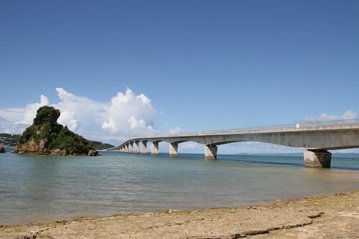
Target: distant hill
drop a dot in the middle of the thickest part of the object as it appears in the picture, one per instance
(99, 145)
(9, 140)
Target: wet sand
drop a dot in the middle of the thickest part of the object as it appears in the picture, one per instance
(333, 216)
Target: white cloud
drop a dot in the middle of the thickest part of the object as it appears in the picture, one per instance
(9, 127)
(78, 113)
(12, 115)
(126, 115)
(69, 119)
(347, 115)
(21, 116)
(130, 114)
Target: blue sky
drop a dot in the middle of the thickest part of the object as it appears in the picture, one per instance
(204, 65)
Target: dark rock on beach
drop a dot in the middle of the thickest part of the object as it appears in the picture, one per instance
(58, 152)
(93, 153)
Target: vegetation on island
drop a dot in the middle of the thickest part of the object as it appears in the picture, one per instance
(46, 136)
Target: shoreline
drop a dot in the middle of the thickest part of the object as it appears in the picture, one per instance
(326, 216)
(43, 221)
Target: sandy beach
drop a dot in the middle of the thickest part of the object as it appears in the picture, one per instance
(333, 216)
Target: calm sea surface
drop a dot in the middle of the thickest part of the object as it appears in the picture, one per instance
(42, 188)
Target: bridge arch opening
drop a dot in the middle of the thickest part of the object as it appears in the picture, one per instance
(177, 147)
(255, 147)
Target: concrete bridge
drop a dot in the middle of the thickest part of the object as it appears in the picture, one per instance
(315, 138)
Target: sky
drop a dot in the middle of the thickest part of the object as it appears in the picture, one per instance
(118, 69)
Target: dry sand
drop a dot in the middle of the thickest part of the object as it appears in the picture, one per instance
(335, 216)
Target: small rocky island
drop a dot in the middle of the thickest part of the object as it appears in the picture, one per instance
(46, 136)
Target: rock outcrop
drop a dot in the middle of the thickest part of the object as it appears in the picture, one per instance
(46, 136)
(93, 153)
(2, 149)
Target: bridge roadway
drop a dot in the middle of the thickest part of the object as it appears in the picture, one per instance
(315, 138)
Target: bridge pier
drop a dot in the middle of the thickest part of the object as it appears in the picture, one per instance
(317, 158)
(173, 149)
(143, 147)
(210, 152)
(130, 147)
(135, 147)
(154, 149)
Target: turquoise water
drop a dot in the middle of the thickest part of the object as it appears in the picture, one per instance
(42, 188)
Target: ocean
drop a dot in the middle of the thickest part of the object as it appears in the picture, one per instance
(45, 188)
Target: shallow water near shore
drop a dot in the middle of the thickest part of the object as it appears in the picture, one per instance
(44, 188)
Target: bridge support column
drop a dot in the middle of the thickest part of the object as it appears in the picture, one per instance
(126, 148)
(130, 147)
(210, 152)
(136, 146)
(154, 149)
(317, 158)
(173, 149)
(143, 147)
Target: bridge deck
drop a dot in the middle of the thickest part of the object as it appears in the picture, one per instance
(317, 137)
